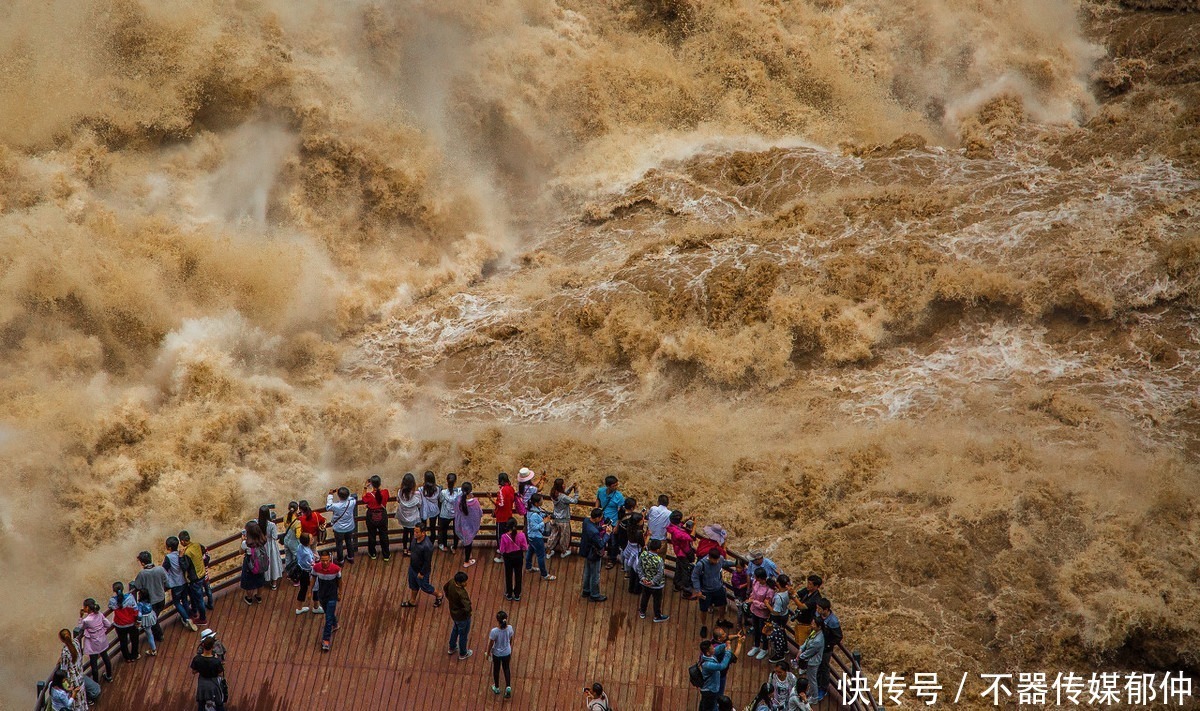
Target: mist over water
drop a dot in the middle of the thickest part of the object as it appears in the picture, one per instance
(905, 290)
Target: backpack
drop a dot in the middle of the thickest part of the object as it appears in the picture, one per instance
(696, 675)
(519, 505)
(646, 566)
(188, 568)
(254, 561)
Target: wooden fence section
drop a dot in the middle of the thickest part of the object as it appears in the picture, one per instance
(385, 657)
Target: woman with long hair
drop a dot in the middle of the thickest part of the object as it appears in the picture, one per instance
(70, 663)
(291, 533)
(376, 498)
(408, 510)
(125, 619)
(467, 521)
(430, 503)
(93, 628)
(254, 562)
(635, 540)
(512, 546)
(447, 505)
(500, 650)
(274, 561)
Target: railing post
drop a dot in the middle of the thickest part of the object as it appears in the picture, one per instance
(857, 657)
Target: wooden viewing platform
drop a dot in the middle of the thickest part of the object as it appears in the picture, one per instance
(386, 657)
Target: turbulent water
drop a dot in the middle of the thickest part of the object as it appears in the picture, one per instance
(906, 291)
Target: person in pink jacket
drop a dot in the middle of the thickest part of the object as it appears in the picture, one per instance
(93, 628)
(512, 549)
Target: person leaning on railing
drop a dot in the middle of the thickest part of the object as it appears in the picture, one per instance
(376, 499)
(343, 523)
(560, 520)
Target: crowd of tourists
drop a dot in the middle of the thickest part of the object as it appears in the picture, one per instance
(759, 606)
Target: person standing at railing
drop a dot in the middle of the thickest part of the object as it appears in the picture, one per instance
(505, 504)
(447, 506)
(535, 533)
(152, 580)
(526, 485)
(124, 611)
(679, 531)
(266, 521)
(658, 518)
(70, 663)
(253, 577)
(809, 658)
(291, 534)
(376, 498)
(634, 527)
(757, 559)
(181, 590)
(807, 599)
(610, 501)
(305, 558)
(430, 503)
(467, 521)
(200, 585)
(343, 523)
(832, 628)
(782, 600)
(560, 520)
(93, 628)
(329, 579)
(408, 511)
(706, 578)
(592, 544)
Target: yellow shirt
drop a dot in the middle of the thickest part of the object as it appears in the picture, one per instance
(193, 551)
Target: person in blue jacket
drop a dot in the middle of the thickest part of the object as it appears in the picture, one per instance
(714, 659)
(591, 549)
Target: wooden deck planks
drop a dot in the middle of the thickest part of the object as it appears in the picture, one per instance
(386, 658)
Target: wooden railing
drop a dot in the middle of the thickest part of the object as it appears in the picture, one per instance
(842, 661)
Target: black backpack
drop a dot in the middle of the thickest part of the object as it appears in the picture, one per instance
(696, 675)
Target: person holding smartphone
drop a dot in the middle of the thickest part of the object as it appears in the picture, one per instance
(560, 519)
(594, 698)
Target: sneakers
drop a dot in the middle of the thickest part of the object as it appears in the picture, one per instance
(508, 596)
(151, 652)
(450, 651)
(336, 628)
(549, 555)
(661, 618)
(441, 546)
(753, 652)
(387, 559)
(325, 646)
(549, 577)
(497, 559)
(468, 654)
(516, 598)
(318, 610)
(566, 553)
(762, 654)
(599, 598)
(508, 692)
(469, 563)
(302, 610)
(372, 556)
(642, 615)
(190, 625)
(495, 689)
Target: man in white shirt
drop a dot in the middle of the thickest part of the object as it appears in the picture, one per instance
(659, 518)
(345, 527)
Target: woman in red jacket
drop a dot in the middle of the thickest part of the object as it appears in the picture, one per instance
(376, 498)
(311, 522)
(504, 506)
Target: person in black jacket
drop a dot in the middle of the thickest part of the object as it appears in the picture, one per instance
(833, 637)
(591, 549)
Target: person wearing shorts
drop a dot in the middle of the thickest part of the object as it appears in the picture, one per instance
(706, 578)
(420, 566)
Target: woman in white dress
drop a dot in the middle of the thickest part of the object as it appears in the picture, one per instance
(274, 562)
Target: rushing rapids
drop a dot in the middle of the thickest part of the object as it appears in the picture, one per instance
(907, 291)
